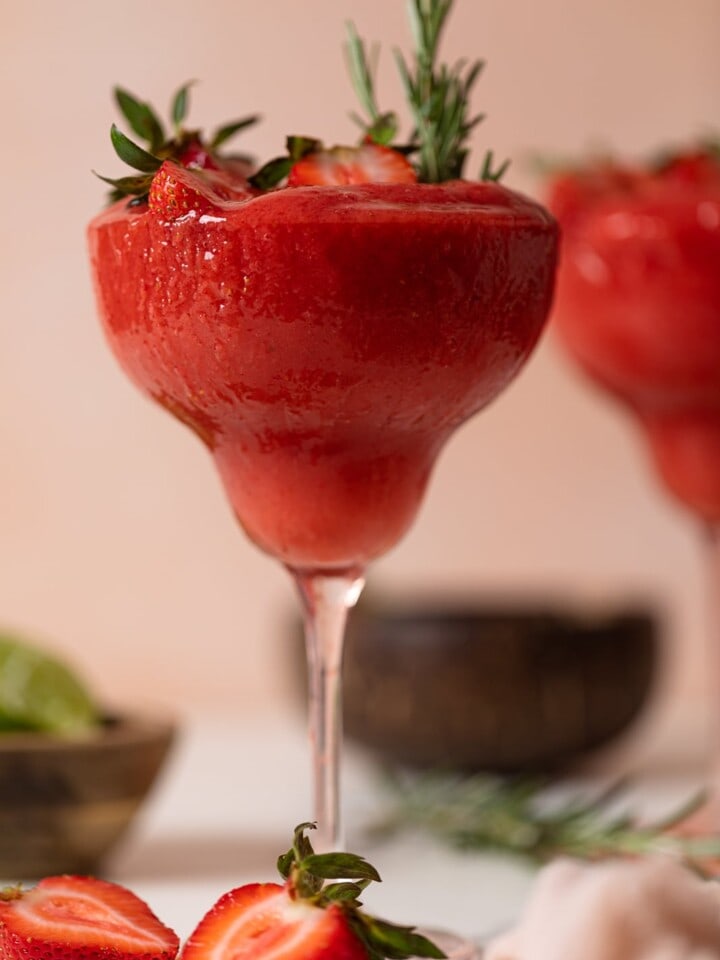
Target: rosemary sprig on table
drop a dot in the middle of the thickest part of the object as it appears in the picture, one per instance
(438, 96)
(516, 817)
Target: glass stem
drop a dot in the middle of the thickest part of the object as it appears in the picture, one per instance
(712, 540)
(326, 599)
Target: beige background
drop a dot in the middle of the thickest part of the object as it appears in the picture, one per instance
(116, 544)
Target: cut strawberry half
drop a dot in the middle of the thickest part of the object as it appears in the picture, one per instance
(176, 191)
(305, 918)
(369, 163)
(263, 920)
(81, 918)
(189, 148)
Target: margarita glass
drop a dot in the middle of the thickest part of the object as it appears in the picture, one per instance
(324, 343)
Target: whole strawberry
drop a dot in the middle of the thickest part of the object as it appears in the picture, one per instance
(305, 918)
(80, 918)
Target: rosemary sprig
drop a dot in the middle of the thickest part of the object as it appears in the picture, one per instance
(515, 816)
(438, 96)
(381, 127)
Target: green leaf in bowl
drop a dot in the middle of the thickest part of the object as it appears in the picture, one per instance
(40, 693)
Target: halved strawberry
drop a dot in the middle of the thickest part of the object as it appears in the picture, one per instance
(260, 919)
(305, 918)
(368, 163)
(80, 918)
(189, 148)
(176, 190)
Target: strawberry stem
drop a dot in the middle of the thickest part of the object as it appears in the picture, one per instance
(13, 892)
(306, 873)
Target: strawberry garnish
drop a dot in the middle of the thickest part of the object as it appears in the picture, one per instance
(258, 918)
(438, 97)
(695, 167)
(80, 918)
(368, 163)
(308, 163)
(575, 190)
(305, 918)
(186, 147)
(176, 191)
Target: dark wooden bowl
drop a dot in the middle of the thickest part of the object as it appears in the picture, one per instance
(496, 689)
(65, 802)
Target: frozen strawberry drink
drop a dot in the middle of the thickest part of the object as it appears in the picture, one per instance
(324, 341)
(638, 305)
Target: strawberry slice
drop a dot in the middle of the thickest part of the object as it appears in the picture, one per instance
(263, 920)
(368, 163)
(80, 918)
(304, 918)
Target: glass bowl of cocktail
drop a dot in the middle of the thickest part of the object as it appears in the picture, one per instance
(324, 328)
(638, 307)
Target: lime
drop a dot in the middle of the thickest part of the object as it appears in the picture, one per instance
(39, 692)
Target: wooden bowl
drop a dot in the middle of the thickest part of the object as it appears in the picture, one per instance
(495, 689)
(65, 802)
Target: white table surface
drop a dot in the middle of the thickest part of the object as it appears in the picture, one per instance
(235, 788)
(226, 807)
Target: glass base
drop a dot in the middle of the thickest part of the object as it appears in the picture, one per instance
(454, 947)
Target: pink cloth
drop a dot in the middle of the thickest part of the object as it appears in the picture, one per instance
(652, 909)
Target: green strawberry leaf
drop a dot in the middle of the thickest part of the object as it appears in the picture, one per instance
(299, 147)
(144, 123)
(301, 844)
(224, 133)
(306, 873)
(180, 104)
(383, 130)
(142, 118)
(285, 862)
(133, 155)
(337, 866)
(273, 173)
(300, 849)
(396, 942)
(128, 186)
(335, 892)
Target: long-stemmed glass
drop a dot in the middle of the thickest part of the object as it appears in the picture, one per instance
(324, 343)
